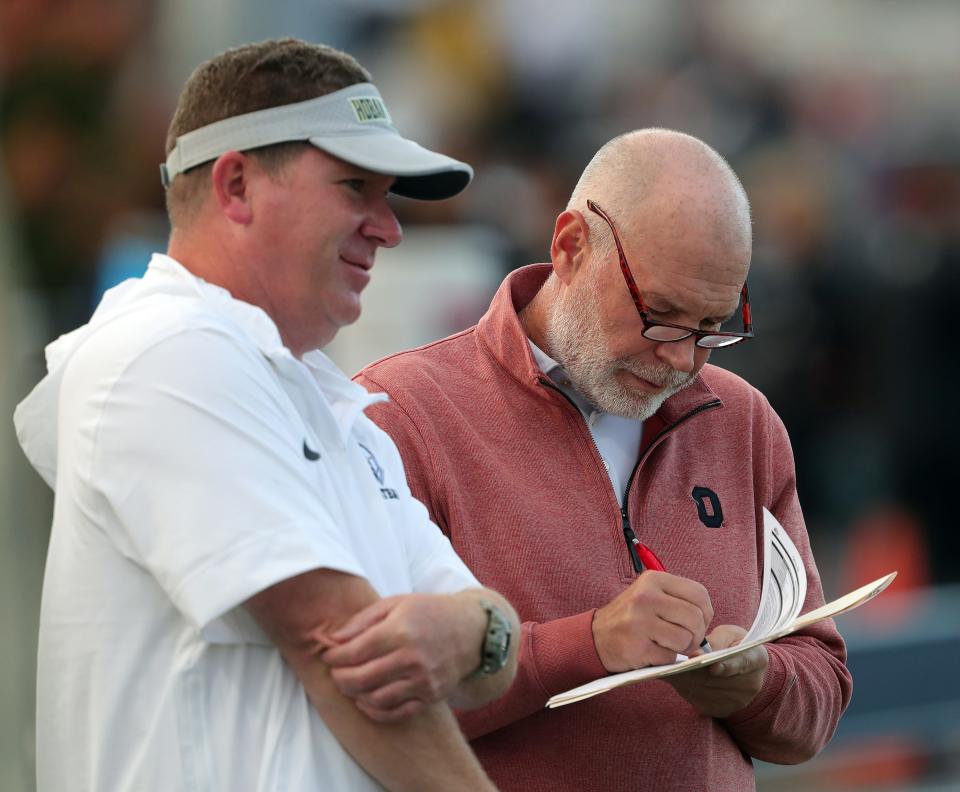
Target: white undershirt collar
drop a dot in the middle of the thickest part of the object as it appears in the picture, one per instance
(617, 438)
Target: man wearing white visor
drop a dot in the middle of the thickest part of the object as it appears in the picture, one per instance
(240, 591)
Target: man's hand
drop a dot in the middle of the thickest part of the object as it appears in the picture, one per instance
(401, 653)
(426, 751)
(726, 687)
(649, 623)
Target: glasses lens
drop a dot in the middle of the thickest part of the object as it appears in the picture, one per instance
(664, 333)
(716, 341)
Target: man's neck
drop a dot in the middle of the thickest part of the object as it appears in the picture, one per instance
(200, 256)
(533, 316)
(210, 258)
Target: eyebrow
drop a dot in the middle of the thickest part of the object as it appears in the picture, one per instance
(351, 171)
(358, 171)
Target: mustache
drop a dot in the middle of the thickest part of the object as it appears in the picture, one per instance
(662, 375)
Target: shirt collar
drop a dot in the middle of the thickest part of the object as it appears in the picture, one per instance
(558, 375)
(255, 322)
(346, 399)
(546, 363)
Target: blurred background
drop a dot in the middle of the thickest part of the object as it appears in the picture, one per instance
(843, 120)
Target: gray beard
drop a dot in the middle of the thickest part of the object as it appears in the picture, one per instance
(576, 342)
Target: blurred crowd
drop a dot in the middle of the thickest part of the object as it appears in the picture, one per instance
(842, 120)
(849, 151)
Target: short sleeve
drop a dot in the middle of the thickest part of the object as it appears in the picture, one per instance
(197, 454)
(435, 568)
(434, 565)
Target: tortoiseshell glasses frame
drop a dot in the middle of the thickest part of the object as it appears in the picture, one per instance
(665, 331)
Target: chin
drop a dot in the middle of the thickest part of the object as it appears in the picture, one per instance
(349, 312)
(628, 403)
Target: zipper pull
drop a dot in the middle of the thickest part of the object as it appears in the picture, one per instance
(632, 542)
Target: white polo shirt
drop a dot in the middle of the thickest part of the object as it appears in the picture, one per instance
(195, 463)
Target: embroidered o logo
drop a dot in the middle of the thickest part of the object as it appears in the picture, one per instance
(708, 506)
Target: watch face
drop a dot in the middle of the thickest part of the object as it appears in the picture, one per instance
(496, 645)
(502, 645)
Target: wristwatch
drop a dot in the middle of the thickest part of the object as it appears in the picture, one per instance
(496, 641)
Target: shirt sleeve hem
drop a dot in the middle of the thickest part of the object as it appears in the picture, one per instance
(252, 566)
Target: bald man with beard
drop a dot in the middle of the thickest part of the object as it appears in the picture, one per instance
(580, 418)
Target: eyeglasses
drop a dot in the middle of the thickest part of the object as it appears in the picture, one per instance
(665, 331)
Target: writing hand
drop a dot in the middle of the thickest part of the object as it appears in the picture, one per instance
(658, 616)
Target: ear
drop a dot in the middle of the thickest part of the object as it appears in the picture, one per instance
(568, 248)
(231, 187)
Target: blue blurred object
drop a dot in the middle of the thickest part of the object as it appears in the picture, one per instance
(902, 729)
(124, 256)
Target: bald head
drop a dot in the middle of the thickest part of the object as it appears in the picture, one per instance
(683, 221)
(652, 176)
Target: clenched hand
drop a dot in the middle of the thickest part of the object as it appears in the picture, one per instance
(401, 653)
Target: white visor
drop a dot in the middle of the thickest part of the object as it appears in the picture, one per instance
(352, 124)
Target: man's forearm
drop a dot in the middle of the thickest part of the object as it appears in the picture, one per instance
(424, 752)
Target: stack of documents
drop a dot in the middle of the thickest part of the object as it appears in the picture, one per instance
(782, 594)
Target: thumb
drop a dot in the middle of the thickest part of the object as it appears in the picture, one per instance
(726, 635)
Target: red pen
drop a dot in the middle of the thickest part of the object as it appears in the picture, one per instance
(650, 561)
(647, 557)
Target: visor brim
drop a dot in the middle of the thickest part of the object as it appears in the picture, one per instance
(421, 173)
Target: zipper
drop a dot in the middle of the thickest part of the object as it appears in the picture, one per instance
(631, 539)
(629, 535)
(548, 384)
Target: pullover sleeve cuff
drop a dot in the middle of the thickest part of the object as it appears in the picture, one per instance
(565, 653)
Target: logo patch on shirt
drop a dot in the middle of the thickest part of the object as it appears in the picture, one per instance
(375, 466)
(309, 453)
(378, 473)
(369, 108)
(708, 506)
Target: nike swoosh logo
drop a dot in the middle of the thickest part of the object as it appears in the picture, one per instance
(309, 453)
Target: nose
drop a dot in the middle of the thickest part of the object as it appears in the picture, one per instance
(382, 225)
(679, 355)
